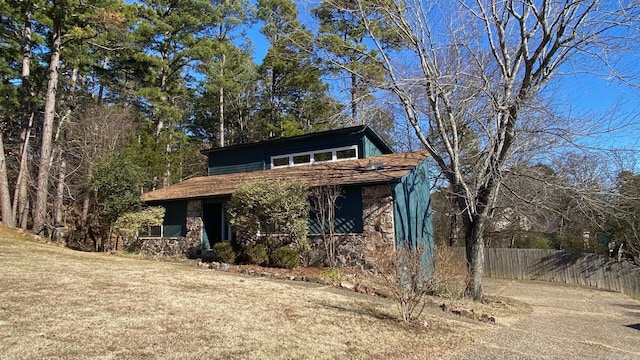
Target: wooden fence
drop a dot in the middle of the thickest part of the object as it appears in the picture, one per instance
(563, 266)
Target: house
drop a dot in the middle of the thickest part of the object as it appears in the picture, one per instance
(385, 195)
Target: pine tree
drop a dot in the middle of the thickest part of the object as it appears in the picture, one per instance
(293, 96)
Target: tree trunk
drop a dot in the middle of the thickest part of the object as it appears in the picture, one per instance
(354, 93)
(221, 102)
(42, 189)
(166, 178)
(5, 196)
(21, 194)
(453, 222)
(84, 215)
(59, 201)
(62, 163)
(474, 242)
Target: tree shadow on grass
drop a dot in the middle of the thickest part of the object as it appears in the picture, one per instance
(633, 326)
(362, 309)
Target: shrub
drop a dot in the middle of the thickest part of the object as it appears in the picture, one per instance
(223, 252)
(408, 280)
(285, 257)
(451, 272)
(130, 223)
(535, 241)
(256, 254)
(278, 210)
(331, 273)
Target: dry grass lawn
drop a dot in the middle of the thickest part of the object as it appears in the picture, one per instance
(60, 303)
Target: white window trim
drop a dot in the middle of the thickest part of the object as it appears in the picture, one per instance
(311, 156)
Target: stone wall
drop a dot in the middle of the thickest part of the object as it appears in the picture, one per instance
(377, 219)
(194, 222)
(359, 250)
(167, 246)
(190, 244)
(353, 250)
(349, 249)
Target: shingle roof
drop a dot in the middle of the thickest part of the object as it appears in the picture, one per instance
(378, 169)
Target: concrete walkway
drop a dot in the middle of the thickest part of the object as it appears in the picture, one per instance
(567, 322)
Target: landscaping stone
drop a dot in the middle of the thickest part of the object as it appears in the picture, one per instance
(347, 285)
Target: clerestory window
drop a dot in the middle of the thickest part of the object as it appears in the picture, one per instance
(313, 157)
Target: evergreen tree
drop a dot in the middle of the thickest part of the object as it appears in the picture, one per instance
(293, 96)
(342, 47)
(228, 70)
(168, 36)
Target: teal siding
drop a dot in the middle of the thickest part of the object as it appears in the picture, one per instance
(370, 149)
(237, 168)
(257, 156)
(412, 212)
(348, 214)
(175, 219)
(230, 162)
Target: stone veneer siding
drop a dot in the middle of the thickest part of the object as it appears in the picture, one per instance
(194, 222)
(167, 246)
(359, 250)
(190, 244)
(353, 250)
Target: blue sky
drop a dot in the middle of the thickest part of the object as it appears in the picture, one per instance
(581, 94)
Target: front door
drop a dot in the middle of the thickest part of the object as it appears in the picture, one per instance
(215, 224)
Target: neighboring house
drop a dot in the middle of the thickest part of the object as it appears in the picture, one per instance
(385, 195)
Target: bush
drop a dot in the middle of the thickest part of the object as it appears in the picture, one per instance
(539, 242)
(451, 272)
(256, 254)
(408, 280)
(278, 209)
(223, 252)
(285, 257)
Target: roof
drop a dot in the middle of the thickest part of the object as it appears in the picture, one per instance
(381, 143)
(378, 169)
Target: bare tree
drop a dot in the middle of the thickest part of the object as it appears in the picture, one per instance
(97, 133)
(323, 206)
(403, 271)
(478, 68)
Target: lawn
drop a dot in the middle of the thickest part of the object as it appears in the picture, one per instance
(60, 303)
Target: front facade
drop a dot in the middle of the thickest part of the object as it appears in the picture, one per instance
(384, 201)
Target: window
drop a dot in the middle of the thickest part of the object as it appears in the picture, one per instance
(311, 157)
(301, 159)
(323, 156)
(150, 232)
(282, 161)
(346, 154)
